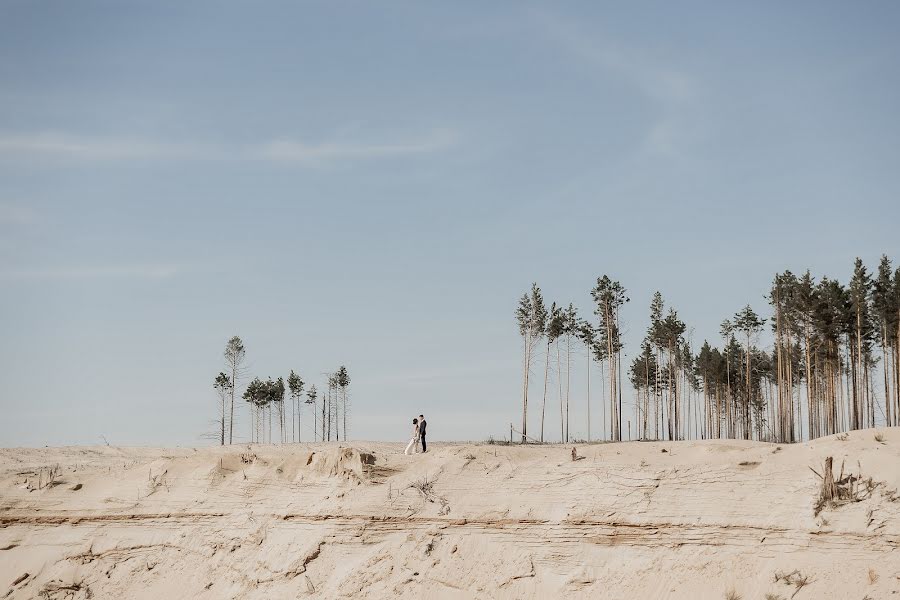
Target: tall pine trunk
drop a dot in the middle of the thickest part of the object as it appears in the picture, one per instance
(546, 374)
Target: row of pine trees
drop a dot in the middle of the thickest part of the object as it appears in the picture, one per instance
(266, 400)
(833, 364)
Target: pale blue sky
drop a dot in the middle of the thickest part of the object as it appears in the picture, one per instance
(375, 184)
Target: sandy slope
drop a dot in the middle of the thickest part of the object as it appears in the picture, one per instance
(628, 520)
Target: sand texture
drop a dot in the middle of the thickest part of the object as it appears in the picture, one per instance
(691, 520)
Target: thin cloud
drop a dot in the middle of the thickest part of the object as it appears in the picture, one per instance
(672, 91)
(62, 145)
(286, 150)
(91, 272)
(293, 151)
(663, 84)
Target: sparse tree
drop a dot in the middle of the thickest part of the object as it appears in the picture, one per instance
(276, 391)
(295, 384)
(749, 323)
(343, 382)
(311, 399)
(256, 395)
(234, 361)
(531, 317)
(609, 296)
(223, 387)
(588, 335)
(555, 326)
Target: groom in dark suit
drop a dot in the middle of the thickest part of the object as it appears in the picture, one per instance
(422, 432)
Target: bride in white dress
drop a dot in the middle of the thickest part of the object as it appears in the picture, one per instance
(413, 445)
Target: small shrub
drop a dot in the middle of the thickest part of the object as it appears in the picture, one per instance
(424, 486)
(879, 437)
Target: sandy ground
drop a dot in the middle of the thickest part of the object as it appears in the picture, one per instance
(689, 520)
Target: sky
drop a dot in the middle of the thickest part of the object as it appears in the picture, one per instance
(375, 184)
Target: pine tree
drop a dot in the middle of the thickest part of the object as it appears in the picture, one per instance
(295, 384)
(670, 332)
(642, 375)
(609, 296)
(588, 335)
(884, 311)
(276, 391)
(311, 399)
(223, 387)
(859, 289)
(234, 360)
(749, 323)
(570, 328)
(343, 382)
(531, 317)
(256, 394)
(555, 326)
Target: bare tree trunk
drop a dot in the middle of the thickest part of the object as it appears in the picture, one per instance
(647, 394)
(749, 391)
(857, 400)
(562, 416)
(613, 416)
(546, 374)
(525, 387)
(897, 372)
(568, 378)
(234, 371)
(344, 390)
(618, 376)
(886, 368)
(589, 393)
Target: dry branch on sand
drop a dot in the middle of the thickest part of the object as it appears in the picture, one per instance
(156, 481)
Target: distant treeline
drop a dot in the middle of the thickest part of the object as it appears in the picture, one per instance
(266, 400)
(834, 346)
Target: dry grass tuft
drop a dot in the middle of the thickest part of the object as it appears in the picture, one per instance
(879, 437)
(425, 487)
(794, 578)
(732, 595)
(873, 576)
(774, 597)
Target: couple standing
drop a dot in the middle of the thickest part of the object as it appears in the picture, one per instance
(418, 437)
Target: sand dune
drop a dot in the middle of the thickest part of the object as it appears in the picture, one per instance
(688, 520)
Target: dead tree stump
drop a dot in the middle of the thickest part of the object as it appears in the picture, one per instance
(829, 489)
